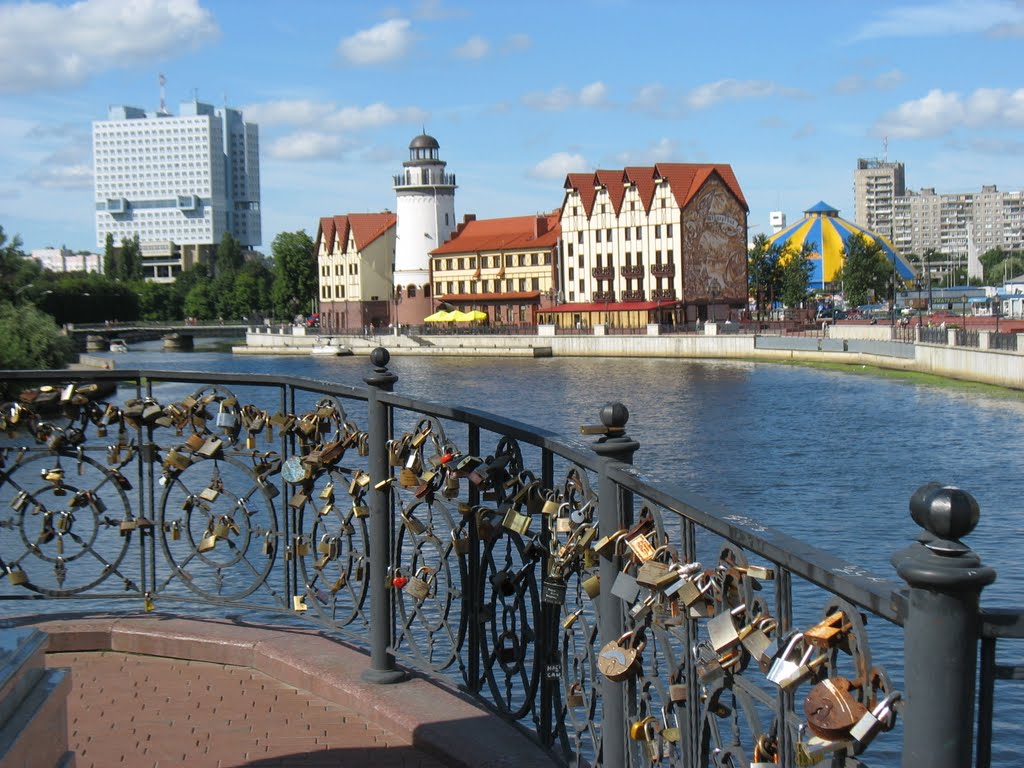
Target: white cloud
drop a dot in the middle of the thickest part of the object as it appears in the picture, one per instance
(709, 94)
(388, 41)
(307, 145)
(880, 82)
(957, 17)
(560, 99)
(474, 48)
(286, 112)
(594, 95)
(558, 165)
(372, 116)
(61, 177)
(941, 112)
(43, 45)
(517, 41)
(650, 98)
(661, 151)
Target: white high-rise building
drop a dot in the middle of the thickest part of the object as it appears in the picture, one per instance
(425, 207)
(178, 182)
(876, 185)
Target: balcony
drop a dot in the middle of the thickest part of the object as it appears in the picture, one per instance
(663, 270)
(633, 295)
(665, 294)
(633, 272)
(604, 295)
(602, 273)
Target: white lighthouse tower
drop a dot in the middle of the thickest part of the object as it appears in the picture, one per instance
(426, 219)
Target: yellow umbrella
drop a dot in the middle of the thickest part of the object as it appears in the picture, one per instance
(469, 317)
(441, 316)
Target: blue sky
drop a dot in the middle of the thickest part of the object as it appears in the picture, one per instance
(518, 94)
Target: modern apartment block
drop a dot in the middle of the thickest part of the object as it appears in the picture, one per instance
(664, 244)
(354, 255)
(925, 220)
(179, 182)
(64, 260)
(876, 185)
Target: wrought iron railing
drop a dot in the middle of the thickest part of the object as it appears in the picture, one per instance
(934, 336)
(620, 620)
(1007, 342)
(965, 338)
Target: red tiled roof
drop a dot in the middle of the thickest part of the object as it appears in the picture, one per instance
(685, 178)
(584, 183)
(643, 179)
(366, 227)
(612, 182)
(507, 296)
(515, 233)
(612, 306)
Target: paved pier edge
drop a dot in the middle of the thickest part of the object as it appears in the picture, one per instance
(436, 719)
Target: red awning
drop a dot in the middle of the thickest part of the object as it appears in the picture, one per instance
(480, 297)
(613, 306)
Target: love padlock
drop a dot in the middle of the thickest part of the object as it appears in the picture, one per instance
(399, 580)
(831, 709)
(418, 587)
(618, 658)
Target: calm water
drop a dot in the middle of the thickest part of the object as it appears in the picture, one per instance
(826, 456)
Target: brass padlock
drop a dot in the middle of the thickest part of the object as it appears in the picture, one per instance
(638, 729)
(407, 478)
(16, 575)
(641, 547)
(574, 696)
(516, 521)
(592, 585)
(175, 531)
(360, 510)
(618, 659)
(414, 525)
(327, 492)
(419, 586)
(460, 544)
(207, 543)
(209, 494)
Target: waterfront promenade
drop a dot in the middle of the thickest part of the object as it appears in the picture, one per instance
(163, 691)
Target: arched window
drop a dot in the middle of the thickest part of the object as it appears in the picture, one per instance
(411, 292)
(426, 291)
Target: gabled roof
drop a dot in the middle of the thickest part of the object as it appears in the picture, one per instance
(686, 179)
(517, 232)
(365, 228)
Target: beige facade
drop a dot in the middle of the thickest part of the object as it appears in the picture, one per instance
(504, 267)
(355, 254)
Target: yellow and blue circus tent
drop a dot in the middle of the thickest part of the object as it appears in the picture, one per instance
(827, 233)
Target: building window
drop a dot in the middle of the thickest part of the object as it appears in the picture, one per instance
(579, 261)
(522, 284)
(638, 233)
(572, 273)
(461, 264)
(522, 259)
(608, 235)
(426, 291)
(534, 259)
(508, 260)
(669, 255)
(547, 259)
(579, 237)
(597, 236)
(657, 257)
(570, 250)
(437, 287)
(627, 233)
(664, 202)
(600, 259)
(411, 292)
(446, 219)
(629, 259)
(668, 230)
(657, 229)
(534, 283)
(472, 262)
(583, 286)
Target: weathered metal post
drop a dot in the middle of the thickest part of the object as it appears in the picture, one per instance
(941, 628)
(613, 514)
(382, 663)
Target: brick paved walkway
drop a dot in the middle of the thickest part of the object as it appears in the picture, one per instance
(131, 710)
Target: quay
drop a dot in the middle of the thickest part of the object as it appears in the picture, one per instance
(982, 356)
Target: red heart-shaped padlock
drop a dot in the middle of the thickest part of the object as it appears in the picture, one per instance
(399, 581)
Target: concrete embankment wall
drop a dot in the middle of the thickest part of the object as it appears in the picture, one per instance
(990, 367)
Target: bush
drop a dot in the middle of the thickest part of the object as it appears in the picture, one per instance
(30, 339)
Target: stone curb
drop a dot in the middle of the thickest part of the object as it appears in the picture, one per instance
(431, 717)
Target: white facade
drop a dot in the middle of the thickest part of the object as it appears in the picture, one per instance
(183, 180)
(777, 221)
(64, 260)
(426, 211)
(876, 185)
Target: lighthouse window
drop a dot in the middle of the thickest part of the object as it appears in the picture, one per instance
(446, 219)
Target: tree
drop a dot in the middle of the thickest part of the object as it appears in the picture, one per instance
(229, 257)
(866, 271)
(295, 278)
(131, 259)
(160, 302)
(199, 302)
(111, 262)
(30, 339)
(764, 275)
(796, 275)
(17, 271)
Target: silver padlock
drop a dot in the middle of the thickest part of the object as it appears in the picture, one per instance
(226, 418)
(419, 585)
(817, 749)
(881, 718)
(625, 587)
(787, 674)
(722, 630)
(788, 662)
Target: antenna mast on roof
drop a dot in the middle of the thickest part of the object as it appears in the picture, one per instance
(885, 148)
(163, 93)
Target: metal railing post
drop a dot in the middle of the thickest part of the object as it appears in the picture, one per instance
(613, 446)
(941, 631)
(382, 663)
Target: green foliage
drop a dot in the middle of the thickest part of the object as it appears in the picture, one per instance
(16, 271)
(111, 261)
(29, 339)
(866, 271)
(764, 272)
(998, 265)
(796, 275)
(295, 278)
(199, 302)
(229, 257)
(159, 302)
(131, 259)
(85, 297)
